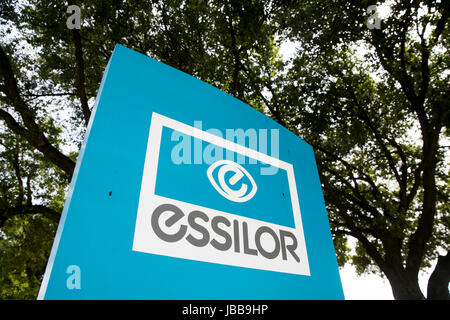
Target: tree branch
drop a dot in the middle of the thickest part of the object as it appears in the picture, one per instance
(236, 54)
(349, 166)
(354, 230)
(359, 200)
(28, 209)
(416, 184)
(405, 79)
(16, 165)
(273, 107)
(440, 25)
(363, 116)
(80, 76)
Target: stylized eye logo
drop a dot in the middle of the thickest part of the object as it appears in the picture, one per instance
(239, 195)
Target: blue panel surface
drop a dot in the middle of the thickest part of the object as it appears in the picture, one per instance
(98, 228)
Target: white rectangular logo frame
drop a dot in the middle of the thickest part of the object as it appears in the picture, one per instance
(146, 241)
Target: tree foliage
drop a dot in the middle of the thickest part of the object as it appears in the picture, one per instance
(374, 104)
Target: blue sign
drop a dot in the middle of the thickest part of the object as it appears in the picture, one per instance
(184, 192)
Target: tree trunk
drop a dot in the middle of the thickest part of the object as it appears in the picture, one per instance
(405, 286)
(439, 279)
